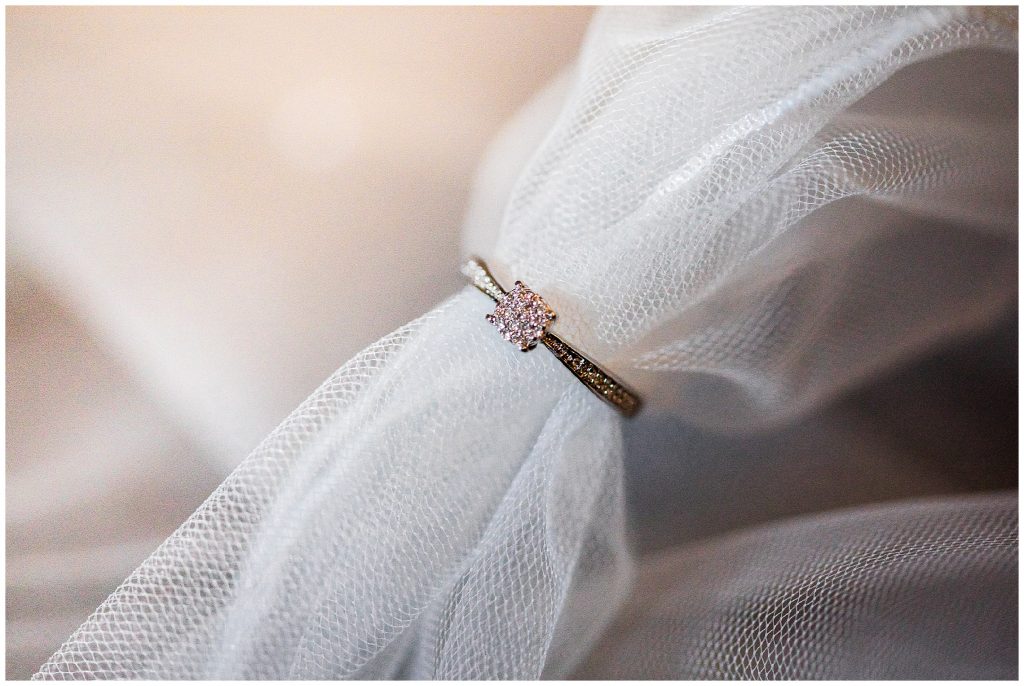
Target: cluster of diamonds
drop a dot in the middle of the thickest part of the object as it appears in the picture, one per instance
(521, 316)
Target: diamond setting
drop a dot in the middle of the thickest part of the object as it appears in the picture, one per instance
(521, 317)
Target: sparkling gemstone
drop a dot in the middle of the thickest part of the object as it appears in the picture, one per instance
(521, 316)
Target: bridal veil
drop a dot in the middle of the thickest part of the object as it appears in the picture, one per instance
(757, 217)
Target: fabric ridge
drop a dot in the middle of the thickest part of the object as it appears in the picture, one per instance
(750, 215)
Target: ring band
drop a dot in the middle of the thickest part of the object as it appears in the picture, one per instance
(522, 317)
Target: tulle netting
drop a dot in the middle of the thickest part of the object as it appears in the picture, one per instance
(748, 214)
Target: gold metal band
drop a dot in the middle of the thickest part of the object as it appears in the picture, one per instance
(522, 317)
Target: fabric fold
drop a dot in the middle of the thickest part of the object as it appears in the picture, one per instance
(730, 215)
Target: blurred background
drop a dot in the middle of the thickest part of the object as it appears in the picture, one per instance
(201, 203)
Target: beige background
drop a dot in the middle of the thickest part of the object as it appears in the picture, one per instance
(209, 210)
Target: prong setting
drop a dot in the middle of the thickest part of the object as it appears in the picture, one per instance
(522, 316)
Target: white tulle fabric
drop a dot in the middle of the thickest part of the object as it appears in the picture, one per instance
(735, 211)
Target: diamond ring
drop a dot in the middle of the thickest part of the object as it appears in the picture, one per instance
(522, 317)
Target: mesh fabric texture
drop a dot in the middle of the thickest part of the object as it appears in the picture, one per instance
(746, 214)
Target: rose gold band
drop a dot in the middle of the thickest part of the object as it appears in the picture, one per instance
(522, 316)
